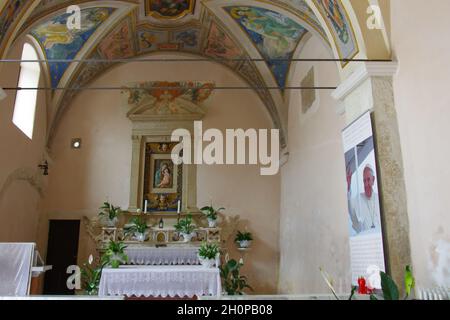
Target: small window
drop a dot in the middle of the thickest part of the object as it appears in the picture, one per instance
(25, 105)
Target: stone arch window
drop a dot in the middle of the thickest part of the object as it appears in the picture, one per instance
(25, 104)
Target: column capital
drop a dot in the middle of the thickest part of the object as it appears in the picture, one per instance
(365, 71)
(136, 137)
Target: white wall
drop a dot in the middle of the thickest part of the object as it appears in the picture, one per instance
(19, 175)
(422, 98)
(81, 180)
(313, 210)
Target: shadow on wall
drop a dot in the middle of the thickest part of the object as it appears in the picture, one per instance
(20, 200)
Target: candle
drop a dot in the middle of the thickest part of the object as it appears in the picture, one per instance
(146, 206)
(179, 206)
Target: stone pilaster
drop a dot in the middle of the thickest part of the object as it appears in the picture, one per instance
(135, 173)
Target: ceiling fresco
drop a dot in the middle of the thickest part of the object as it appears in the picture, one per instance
(119, 44)
(275, 35)
(302, 9)
(225, 31)
(9, 16)
(340, 26)
(60, 43)
(213, 40)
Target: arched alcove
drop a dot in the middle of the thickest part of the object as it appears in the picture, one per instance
(82, 179)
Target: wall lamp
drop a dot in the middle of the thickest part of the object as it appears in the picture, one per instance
(44, 168)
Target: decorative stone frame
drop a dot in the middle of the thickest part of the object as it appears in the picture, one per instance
(154, 119)
(157, 131)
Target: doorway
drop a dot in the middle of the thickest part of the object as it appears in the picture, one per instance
(62, 252)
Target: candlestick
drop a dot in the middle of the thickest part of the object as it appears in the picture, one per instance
(179, 206)
(146, 206)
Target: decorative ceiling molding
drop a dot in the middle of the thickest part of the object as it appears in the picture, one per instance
(365, 71)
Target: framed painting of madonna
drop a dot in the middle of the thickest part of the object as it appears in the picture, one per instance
(169, 9)
(163, 180)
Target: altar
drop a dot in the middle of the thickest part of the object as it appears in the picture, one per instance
(163, 261)
(161, 281)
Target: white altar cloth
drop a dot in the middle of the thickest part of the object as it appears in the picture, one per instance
(162, 256)
(164, 281)
(16, 260)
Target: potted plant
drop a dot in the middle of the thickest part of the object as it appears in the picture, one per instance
(91, 276)
(233, 283)
(115, 255)
(211, 215)
(243, 239)
(186, 228)
(138, 229)
(208, 254)
(110, 213)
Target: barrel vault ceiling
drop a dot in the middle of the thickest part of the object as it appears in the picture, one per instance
(228, 31)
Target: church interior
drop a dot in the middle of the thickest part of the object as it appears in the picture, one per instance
(350, 97)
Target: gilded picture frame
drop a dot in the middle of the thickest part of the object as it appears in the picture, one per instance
(162, 179)
(169, 10)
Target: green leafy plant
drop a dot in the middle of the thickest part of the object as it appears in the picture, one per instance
(243, 236)
(233, 283)
(115, 255)
(208, 251)
(90, 277)
(185, 225)
(138, 225)
(210, 212)
(109, 211)
(389, 289)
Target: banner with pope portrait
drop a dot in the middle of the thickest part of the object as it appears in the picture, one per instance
(364, 214)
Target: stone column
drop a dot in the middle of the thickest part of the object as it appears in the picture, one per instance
(370, 88)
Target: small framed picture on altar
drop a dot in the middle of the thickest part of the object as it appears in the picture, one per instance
(163, 179)
(164, 174)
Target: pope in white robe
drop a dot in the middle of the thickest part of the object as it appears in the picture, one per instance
(364, 208)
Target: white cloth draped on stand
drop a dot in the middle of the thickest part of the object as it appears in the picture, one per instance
(161, 281)
(16, 260)
(162, 256)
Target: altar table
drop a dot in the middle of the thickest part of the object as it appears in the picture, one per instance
(162, 256)
(161, 281)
